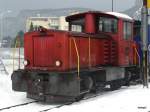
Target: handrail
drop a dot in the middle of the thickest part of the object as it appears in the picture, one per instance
(78, 56)
(77, 53)
(89, 52)
(136, 51)
(70, 46)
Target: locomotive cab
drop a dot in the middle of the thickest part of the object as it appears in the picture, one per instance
(93, 23)
(114, 27)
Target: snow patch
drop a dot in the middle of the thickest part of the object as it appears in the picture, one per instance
(120, 15)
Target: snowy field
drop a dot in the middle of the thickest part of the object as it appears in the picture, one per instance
(127, 99)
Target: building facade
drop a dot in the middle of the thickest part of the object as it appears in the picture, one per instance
(58, 23)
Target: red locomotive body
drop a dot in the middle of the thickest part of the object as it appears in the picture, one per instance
(97, 49)
(44, 50)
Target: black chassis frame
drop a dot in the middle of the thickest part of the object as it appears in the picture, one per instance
(61, 86)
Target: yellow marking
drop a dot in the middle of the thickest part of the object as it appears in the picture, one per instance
(89, 52)
(70, 46)
(78, 56)
(137, 54)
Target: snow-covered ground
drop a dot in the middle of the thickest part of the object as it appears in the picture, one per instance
(127, 99)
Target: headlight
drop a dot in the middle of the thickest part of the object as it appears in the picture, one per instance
(58, 63)
(25, 62)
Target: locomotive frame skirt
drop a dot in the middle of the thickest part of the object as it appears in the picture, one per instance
(65, 86)
(46, 86)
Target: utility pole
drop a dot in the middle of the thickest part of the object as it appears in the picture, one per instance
(144, 18)
(112, 5)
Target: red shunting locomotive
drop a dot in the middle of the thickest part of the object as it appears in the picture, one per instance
(98, 50)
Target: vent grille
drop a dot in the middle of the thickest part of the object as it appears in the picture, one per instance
(106, 51)
(110, 52)
(113, 55)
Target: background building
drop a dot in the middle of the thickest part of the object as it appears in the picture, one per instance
(58, 23)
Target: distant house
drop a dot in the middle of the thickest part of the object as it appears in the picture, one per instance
(59, 23)
(6, 42)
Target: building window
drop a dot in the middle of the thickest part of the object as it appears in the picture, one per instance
(127, 30)
(54, 27)
(54, 21)
(65, 27)
(108, 25)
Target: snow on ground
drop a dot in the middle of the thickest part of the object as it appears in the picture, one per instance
(127, 99)
(7, 96)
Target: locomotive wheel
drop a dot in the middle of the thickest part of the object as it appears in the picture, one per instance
(115, 86)
(88, 83)
(86, 87)
(78, 98)
(128, 78)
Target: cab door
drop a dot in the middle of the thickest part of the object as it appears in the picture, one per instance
(126, 48)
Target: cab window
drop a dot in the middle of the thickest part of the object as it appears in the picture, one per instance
(127, 30)
(78, 25)
(109, 25)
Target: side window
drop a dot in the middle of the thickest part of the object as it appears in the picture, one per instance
(127, 30)
(108, 25)
(77, 28)
(78, 25)
(137, 28)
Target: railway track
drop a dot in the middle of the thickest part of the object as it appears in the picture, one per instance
(18, 105)
(59, 106)
(70, 103)
(27, 106)
(36, 106)
(103, 92)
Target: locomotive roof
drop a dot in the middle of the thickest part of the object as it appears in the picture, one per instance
(109, 14)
